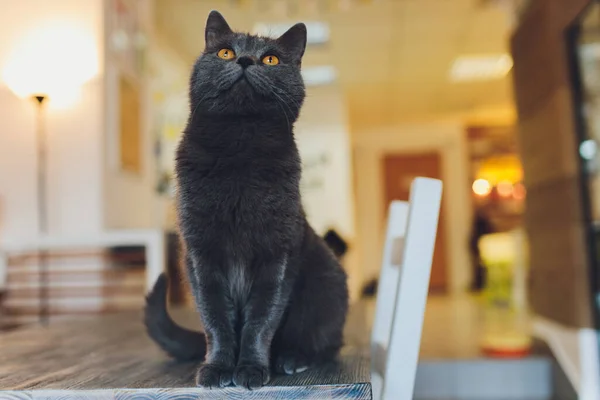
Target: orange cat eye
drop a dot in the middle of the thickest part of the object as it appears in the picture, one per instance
(226, 54)
(270, 60)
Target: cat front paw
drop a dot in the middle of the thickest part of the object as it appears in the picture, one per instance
(213, 376)
(251, 376)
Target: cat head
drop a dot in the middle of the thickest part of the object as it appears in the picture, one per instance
(240, 74)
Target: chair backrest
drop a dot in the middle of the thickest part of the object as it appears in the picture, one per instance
(403, 289)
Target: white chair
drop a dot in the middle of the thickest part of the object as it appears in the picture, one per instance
(403, 289)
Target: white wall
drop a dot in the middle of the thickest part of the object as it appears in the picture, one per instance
(169, 77)
(17, 168)
(449, 140)
(75, 133)
(322, 130)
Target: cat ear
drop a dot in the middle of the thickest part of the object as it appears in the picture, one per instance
(294, 41)
(216, 27)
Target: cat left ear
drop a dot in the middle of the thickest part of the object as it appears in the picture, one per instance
(294, 41)
(216, 27)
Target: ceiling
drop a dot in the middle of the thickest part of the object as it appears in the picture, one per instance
(393, 56)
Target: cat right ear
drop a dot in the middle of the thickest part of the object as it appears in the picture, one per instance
(216, 27)
(294, 41)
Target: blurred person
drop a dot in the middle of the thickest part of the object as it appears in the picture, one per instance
(481, 226)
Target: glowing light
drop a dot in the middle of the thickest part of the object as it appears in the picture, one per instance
(501, 168)
(480, 67)
(588, 149)
(519, 191)
(53, 60)
(504, 188)
(481, 187)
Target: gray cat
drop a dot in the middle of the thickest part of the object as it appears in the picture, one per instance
(270, 293)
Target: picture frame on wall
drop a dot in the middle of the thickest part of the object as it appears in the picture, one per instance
(130, 135)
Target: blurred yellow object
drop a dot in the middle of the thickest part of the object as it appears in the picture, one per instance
(506, 326)
(506, 345)
(497, 248)
(172, 132)
(501, 169)
(158, 97)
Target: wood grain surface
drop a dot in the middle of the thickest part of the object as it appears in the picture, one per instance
(111, 357)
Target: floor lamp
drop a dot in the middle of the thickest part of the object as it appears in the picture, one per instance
(68, 54)
(42, 205)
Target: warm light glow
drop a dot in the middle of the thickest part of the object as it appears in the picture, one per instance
(504, 188)
(480, 67)
(53, 60)
(519, 191)
(481, 187)
(501, 168)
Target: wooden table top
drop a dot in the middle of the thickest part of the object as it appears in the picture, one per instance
(111, 357)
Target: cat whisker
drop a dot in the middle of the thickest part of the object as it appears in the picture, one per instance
(218, 84)
(264, 87)
(286, 96)
(279, 103)
(278, 100)
(282, 97)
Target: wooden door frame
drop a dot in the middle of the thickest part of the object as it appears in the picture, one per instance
(389, 170)
(448, 139)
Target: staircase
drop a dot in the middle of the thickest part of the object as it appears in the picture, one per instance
(79, 283)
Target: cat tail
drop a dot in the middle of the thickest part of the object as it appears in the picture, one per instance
(180, 343)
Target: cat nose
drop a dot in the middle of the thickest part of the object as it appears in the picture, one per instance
(245, 61)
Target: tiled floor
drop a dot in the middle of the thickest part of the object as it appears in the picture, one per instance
(454, 327)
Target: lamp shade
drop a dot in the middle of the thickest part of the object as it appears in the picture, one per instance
(53, 60)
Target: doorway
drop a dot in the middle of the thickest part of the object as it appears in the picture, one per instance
(399, 170)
